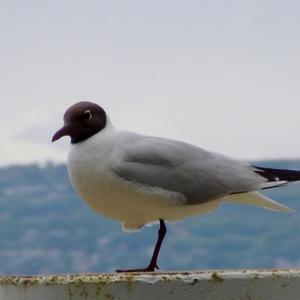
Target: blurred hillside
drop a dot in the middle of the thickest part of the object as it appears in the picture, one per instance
(46, 228)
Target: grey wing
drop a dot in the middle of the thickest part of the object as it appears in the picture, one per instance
(197, 174)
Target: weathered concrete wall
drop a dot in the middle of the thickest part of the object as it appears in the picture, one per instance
(227, 285)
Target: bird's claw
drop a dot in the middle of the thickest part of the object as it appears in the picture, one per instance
(147, 269)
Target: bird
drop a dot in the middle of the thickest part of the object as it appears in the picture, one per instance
(138, 179)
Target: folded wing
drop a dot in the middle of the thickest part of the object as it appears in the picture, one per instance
(199, 175)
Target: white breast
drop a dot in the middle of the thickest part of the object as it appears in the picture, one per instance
(89, 167)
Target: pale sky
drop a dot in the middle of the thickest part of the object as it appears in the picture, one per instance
(223, 75)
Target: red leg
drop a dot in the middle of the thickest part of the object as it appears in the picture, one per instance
(153, 262)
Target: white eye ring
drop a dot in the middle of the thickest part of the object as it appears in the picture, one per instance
(88, 115)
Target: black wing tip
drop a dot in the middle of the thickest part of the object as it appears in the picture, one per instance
(273, 175)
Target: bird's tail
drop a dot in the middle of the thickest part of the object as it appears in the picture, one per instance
(257, 199)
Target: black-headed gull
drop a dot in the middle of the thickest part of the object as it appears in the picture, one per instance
(138, 179)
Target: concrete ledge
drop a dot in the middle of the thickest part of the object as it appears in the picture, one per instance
(225, 284)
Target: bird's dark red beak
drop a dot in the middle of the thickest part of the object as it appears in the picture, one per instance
(60, 133)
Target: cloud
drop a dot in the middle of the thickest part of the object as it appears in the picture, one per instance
(40, 134)
(223, 77)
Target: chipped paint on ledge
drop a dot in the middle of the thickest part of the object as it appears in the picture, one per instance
(214, 284)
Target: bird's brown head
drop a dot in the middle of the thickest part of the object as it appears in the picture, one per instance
(81, 121)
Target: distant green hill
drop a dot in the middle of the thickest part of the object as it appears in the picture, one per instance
(46, 228)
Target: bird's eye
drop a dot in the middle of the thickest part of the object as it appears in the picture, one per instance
(87, 115)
